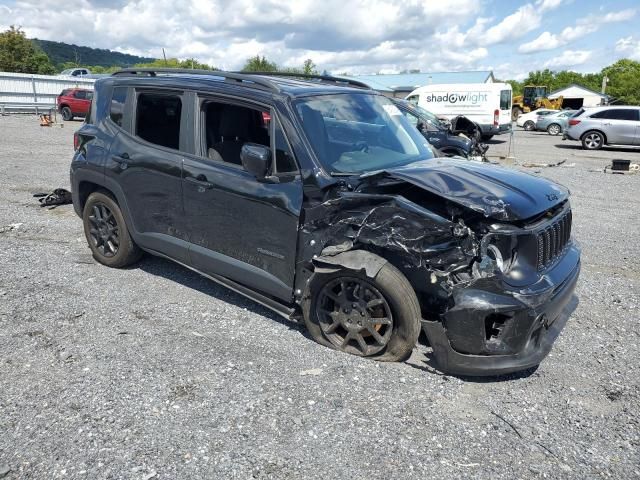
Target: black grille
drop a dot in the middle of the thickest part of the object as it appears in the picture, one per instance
(553, 240)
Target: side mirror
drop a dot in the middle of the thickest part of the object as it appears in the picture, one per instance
(256, 159)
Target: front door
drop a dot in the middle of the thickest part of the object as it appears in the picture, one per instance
(240, 228)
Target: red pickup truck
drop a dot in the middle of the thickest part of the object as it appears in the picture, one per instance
(74, 102)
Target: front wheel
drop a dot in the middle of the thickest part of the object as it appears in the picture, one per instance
(592, 141)
(529, 126)
(107, 233)
(66, 114)
(554, 129)
(369, 317)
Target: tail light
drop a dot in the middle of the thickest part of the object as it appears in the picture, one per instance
(76, 141)
(573, 121)
(496, 118)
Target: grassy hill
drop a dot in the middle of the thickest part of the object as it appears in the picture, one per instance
(60, 53)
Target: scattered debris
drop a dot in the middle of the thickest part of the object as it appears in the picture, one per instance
(545, 165)
(59, 196)
(622, 167)
(10, 227)
(507, 422)
(196, 334)
(46, 120)
(313, 371)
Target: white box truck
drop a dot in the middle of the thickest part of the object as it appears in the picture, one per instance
(487, 104)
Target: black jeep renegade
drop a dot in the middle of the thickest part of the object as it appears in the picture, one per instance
(317, 198)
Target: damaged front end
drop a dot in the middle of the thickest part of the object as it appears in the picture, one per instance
(493, 273)
(462, 125)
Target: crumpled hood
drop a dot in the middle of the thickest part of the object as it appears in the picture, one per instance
(497, 192)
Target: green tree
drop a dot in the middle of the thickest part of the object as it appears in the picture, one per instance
(21, 55)
(259, 64)
(309, 68)
(624, 81)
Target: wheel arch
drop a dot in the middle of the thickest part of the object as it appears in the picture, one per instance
(591, 130)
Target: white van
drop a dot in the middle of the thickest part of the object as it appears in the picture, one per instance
(487, 104)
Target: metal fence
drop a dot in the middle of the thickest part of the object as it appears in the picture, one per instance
(26, 93)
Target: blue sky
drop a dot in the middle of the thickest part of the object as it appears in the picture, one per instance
(358, 36)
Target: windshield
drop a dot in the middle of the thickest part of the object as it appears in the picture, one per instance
(68, 71)
(357, 133)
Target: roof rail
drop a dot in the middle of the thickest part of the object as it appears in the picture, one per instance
(311, 76)
(233, 76)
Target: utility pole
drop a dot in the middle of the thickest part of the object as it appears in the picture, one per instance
(605, 79)
(165, 57)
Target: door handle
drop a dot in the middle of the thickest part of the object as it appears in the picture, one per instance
(201, 182)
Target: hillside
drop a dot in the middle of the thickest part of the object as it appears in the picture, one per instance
(60, 53)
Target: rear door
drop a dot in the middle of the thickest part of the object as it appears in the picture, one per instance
(618, 124)
(145, 162)
(241, 228)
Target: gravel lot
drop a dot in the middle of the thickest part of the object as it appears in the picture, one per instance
(155, 372)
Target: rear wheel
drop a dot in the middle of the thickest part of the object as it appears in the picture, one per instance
(377, 318)
(592, 140)
(66, 113)
(529, 126)
(106, 232)
(554, 129)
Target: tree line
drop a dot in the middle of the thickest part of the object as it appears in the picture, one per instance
(20, 54)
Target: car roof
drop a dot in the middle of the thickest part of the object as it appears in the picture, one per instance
(293, 85)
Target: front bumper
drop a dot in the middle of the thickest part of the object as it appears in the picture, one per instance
(495, 333)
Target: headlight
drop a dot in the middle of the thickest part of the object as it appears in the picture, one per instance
(492, 259)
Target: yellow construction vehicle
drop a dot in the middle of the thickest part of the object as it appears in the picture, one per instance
(533, 97)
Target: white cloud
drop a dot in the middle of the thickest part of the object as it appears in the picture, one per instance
(629, 46)
(569, 58)
(584, 26)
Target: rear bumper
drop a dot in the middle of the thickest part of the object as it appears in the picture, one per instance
(531, 325)
(490, 129)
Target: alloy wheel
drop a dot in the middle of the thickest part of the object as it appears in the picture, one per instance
(354, 316)
(592, 141)
(554, 129)
(104, 230)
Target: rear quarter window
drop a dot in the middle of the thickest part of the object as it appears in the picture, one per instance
(116, 108)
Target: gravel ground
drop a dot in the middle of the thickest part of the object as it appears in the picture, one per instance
(155, 372)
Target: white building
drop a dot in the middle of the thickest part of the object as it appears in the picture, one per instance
(576, 96)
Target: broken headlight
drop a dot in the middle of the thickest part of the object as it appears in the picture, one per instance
(496, 256)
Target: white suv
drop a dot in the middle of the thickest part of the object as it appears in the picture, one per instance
(613, 125)
(528, 120)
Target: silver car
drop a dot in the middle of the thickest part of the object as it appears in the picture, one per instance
(554, 123)
(597, 127)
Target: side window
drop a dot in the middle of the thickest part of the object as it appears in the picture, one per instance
(226, 127)
(284, 162)
(617, 114)
(116, 110)
(81, 94)
(413, 99)
(158, 119)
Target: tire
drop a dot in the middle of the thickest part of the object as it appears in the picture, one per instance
(515, 114)
(593, 140)
(554, 129)
(529, 126)
(66, 114)
(107, 233)
(394, 299)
